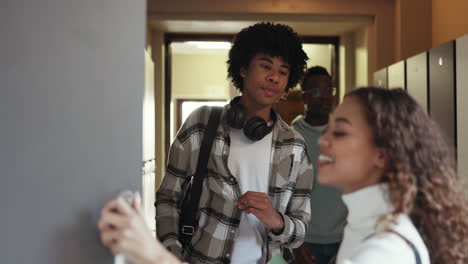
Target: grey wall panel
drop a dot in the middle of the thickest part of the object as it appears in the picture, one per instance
(72, 132)
(381, 78)
(416, 78)
(462, 106)
(396, 75)
(442, 88)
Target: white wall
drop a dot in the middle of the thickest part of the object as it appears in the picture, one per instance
(149, 159)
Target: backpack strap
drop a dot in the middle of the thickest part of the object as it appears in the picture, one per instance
(189, 211)
(412, 246)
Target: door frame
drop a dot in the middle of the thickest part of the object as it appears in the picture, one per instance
(179, 37)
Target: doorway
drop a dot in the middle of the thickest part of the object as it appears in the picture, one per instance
(196, 71)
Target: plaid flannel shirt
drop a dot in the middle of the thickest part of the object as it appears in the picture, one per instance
(290, 184)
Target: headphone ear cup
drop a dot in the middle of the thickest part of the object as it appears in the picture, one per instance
(256, 128)
(235, 116)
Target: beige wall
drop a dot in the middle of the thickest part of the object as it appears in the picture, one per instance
(449, 20)
(353, 61)
(199, 76)
(318, 55)
(361, 58)
(347, 70)
(157, 54)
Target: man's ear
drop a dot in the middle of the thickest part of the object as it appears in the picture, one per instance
(242, 72)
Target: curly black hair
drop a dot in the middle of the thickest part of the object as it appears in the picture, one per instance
(275, 40)
(314, 71)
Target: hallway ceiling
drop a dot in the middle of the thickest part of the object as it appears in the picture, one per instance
(306, 26)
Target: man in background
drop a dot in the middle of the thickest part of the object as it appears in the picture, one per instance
(325, 230)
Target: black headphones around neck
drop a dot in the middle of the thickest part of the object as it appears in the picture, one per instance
(255, 128)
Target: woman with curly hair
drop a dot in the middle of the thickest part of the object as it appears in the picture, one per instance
(406, 203)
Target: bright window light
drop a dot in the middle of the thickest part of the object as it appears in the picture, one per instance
(188, 106)
(210, 44)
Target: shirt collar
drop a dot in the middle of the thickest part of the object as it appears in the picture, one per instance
(367, 205)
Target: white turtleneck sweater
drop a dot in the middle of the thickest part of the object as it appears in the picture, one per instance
(360, 246)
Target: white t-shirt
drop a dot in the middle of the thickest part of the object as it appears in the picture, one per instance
(249, 163)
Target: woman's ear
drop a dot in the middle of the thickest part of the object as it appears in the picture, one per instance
(381, 159)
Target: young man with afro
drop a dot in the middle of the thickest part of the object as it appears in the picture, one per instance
(255, 198)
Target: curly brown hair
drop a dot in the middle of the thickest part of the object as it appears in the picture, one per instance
(420, 171)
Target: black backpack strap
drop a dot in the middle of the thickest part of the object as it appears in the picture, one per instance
(412, 246)
(188, 214)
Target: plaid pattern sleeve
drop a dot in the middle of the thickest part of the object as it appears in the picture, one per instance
(182, 156)
(292, 189)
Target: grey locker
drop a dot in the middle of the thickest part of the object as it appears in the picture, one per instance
(381, 78)
(442, 88)
(396, 75)
(71, 83)
(462, 106)
(417, 78)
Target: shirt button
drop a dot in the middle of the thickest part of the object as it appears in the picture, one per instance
(228, 255)
(233, 231)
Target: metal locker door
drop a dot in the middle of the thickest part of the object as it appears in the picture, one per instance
(462, 106)
(442, 88)
(396, 75)
(417, 78)
(381, 78)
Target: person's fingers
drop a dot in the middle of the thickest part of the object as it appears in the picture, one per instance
(250, 195)
(249, 204)
(111, 220)
(130, 247)
(118, 205)
(123, 206)
(109, 237)
(259, 202)
(115, 248)
(104, 227)
(252, 210)
(136, 203)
